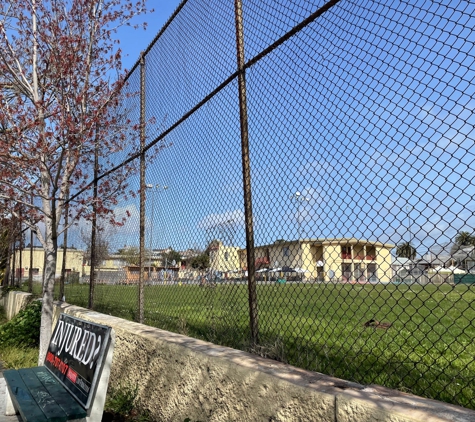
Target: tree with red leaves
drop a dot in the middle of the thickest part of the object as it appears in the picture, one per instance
(60, 107)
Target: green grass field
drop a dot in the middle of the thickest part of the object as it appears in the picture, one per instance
(429, 350)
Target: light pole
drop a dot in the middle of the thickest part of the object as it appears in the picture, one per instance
(408, 210)
(157, 188)
(226, 231)
(299, 198)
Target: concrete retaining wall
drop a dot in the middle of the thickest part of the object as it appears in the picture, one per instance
(179, 377)
(13, 302)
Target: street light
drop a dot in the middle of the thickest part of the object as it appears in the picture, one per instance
(157, 188)
(299, 198)
(226, 230)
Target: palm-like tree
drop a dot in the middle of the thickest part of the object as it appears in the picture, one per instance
(464, 239)
(406, 250)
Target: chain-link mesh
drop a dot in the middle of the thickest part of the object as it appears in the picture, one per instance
(361, 136)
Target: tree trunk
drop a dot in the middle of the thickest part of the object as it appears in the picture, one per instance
(6, 275)
(48, 290)
(20, 258)
(13, 269)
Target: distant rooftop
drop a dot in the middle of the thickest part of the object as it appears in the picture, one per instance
(335, 240)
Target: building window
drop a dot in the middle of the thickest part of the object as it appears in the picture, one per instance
(346, 252)
(372, 272)
(346, 272)
(286, 251)
(416, 271)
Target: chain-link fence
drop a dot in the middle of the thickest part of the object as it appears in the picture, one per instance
(308, 193)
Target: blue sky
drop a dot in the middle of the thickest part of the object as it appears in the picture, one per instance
(385, 123)
(368, 112)
(133, 41)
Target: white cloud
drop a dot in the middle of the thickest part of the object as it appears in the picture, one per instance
(212, 221)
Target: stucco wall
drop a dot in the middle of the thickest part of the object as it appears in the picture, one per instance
(224, 258)
(178, 377)
(74, 260)
(383, 259)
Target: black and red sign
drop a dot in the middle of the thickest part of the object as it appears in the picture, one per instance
(75, 355)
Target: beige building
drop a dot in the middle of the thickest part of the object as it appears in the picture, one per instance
(337, 259)
(74, 261)
(224, 258)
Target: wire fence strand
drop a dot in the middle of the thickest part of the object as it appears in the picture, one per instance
(357, 256)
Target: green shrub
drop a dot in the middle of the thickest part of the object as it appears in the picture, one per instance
(23, 330)
(7, 289)
(3, 316)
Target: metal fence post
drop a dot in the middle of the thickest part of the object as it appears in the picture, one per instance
(142, 190)
(246, 173)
